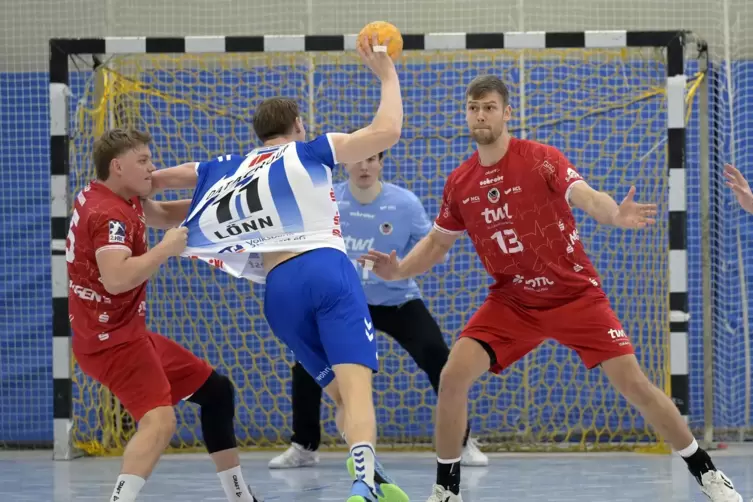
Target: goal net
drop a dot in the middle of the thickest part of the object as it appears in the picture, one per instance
(606, 109)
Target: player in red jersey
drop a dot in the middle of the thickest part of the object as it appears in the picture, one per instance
(108, 269)
(513, 197)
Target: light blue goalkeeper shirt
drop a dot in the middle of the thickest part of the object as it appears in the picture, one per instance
(397, 220)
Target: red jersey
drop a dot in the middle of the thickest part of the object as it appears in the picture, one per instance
(518, 217)
(103, 220)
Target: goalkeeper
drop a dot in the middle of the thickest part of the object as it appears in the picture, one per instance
(383, 216)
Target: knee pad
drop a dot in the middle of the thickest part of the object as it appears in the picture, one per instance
(217, 400)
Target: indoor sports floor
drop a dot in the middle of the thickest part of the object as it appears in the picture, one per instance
(607, 477)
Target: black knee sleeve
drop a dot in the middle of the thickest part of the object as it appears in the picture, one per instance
(217, 400)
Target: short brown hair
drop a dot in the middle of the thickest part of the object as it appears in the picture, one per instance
(275, 117)
(114, 143)
(485, 84)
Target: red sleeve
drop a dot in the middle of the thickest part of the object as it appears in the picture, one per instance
(449, 220)
(111, 231)
(559, 172)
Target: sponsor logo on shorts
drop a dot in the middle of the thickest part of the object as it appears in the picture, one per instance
(617, 333)
(117, 232)
(103, 337)
(619, 337)
(326, 371)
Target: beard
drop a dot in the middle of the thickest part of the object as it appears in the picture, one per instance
(485, 136)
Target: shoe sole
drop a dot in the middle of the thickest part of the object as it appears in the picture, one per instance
(299, 466)
(390, 492)
(474, 464)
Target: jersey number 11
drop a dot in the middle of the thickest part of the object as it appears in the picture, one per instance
(252, 200)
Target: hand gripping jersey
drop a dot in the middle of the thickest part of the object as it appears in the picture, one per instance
(276, 198)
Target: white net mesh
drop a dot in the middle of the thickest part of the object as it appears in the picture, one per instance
(25, 367)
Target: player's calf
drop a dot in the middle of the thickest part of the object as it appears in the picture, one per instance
(216, 397)
(352, 386)
(356, 420)
(469, 359)
(155, 430)
(625, 374)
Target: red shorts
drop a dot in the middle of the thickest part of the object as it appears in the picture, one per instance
(147, 372)
(587, 325)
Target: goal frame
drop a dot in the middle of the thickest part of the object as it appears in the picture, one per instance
(61, 49)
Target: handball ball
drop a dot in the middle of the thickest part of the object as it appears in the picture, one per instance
(383, 30)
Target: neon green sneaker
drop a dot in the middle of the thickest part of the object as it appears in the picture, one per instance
(388, 491)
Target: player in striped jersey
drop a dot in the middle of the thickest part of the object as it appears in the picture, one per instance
(271, 217)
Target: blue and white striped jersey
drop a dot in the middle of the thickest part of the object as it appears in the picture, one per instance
(276, 198)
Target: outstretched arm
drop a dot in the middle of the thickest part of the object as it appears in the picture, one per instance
(428, 252)
(181, 177)
(603, 208)
(740, 187)
(384, 131)
(165, 214)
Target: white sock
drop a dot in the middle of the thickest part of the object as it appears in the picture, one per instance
(127, 488)
(234, 486)
(363, 461)
(690, 450)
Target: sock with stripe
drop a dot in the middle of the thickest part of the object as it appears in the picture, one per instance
(363, 462)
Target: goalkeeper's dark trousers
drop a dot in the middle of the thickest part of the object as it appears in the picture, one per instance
(412, 326)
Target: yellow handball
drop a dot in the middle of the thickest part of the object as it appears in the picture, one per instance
(383, 30)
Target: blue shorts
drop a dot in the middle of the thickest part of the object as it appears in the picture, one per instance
(315, 304)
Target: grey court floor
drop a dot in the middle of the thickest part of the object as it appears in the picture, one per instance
(612, 477)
